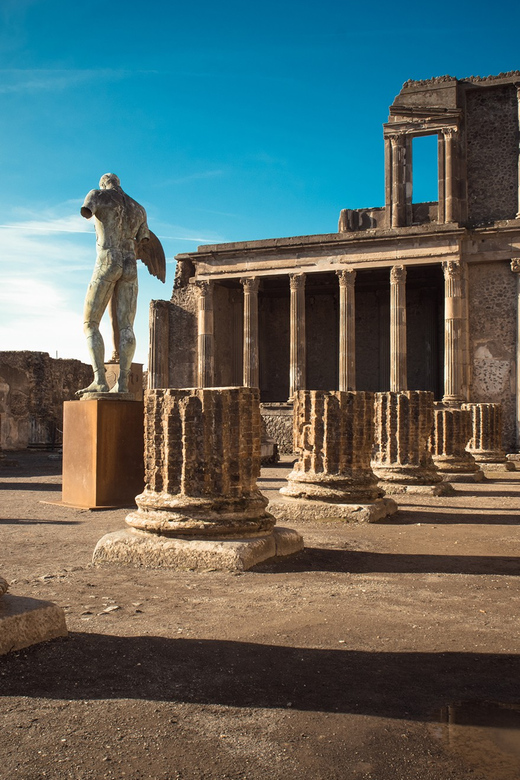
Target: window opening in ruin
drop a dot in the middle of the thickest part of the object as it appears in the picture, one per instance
(425, 185)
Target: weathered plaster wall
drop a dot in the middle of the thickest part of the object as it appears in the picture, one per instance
(33, 387)
(492, 328)
(274, 327)
(183, 337)
(492, 153)
(228, 323)
(373, 338)
(322, 336)
(425, 338)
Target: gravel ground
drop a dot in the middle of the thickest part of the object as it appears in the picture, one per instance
(344, 662)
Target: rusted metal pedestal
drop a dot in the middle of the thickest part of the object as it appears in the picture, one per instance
(102, 453)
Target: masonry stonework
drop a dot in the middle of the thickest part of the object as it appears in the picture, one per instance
(492, 329)
(33, 387)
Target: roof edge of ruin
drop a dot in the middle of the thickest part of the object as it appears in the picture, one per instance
(435, 80)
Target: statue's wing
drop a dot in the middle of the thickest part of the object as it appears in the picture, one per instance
(152, 255)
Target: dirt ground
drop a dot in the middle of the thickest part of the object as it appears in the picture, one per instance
(344, 662)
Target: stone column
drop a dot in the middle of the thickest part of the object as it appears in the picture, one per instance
(333, 432)
(448, 133)
(441, 156)
(347, 329)
(453, 333)
(515, 267)
(236, 299)
(402, 462)
(251, 366)
(397, 181)
(206, 339)
(297, 368)
(450, 435)
(518, 102)
(158, 369)
(201, 507)
(398, 365)
(486, 437)
(388, 180)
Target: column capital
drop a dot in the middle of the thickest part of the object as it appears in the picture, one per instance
(250, 283)
(297, 281)
(205, 288)
(448, 132)
(346, 276)
(397, 274)
(452, 269)
(515, 265)
(394, 137)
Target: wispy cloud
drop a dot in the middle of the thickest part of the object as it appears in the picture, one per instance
(45, 80)
(46, 259)
(196, 176)
(68, 224)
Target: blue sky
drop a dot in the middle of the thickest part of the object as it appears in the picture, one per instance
(227, 121)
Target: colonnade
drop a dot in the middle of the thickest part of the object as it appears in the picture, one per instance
(398, 174)
(453, 332)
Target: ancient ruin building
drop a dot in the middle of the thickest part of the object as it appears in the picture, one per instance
(33, 387)
(407, 296)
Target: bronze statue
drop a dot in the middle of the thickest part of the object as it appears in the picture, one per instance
(122, 237)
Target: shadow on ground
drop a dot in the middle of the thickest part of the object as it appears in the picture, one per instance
(361, 562)
(238, 674)
(40, 486)
(439, 516)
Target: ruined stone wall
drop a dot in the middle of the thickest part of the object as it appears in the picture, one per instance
(492, 153)
(33, 387)
(183, 337)
(278, 420)
(492, 328)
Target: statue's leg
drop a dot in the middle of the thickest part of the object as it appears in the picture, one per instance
(96, 301)
(112, 311)
(125, 295)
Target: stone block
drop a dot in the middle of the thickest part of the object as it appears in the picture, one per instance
(294, 510)
(27, 621)
(154, 551)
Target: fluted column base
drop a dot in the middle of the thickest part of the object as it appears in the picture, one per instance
(447, 444)
(357, 487)
(201, 507)
(402, 462)
(212, 517)
(485, 444)
(332, 478)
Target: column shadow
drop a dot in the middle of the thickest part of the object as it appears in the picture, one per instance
(362, 562)
(245, 674)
